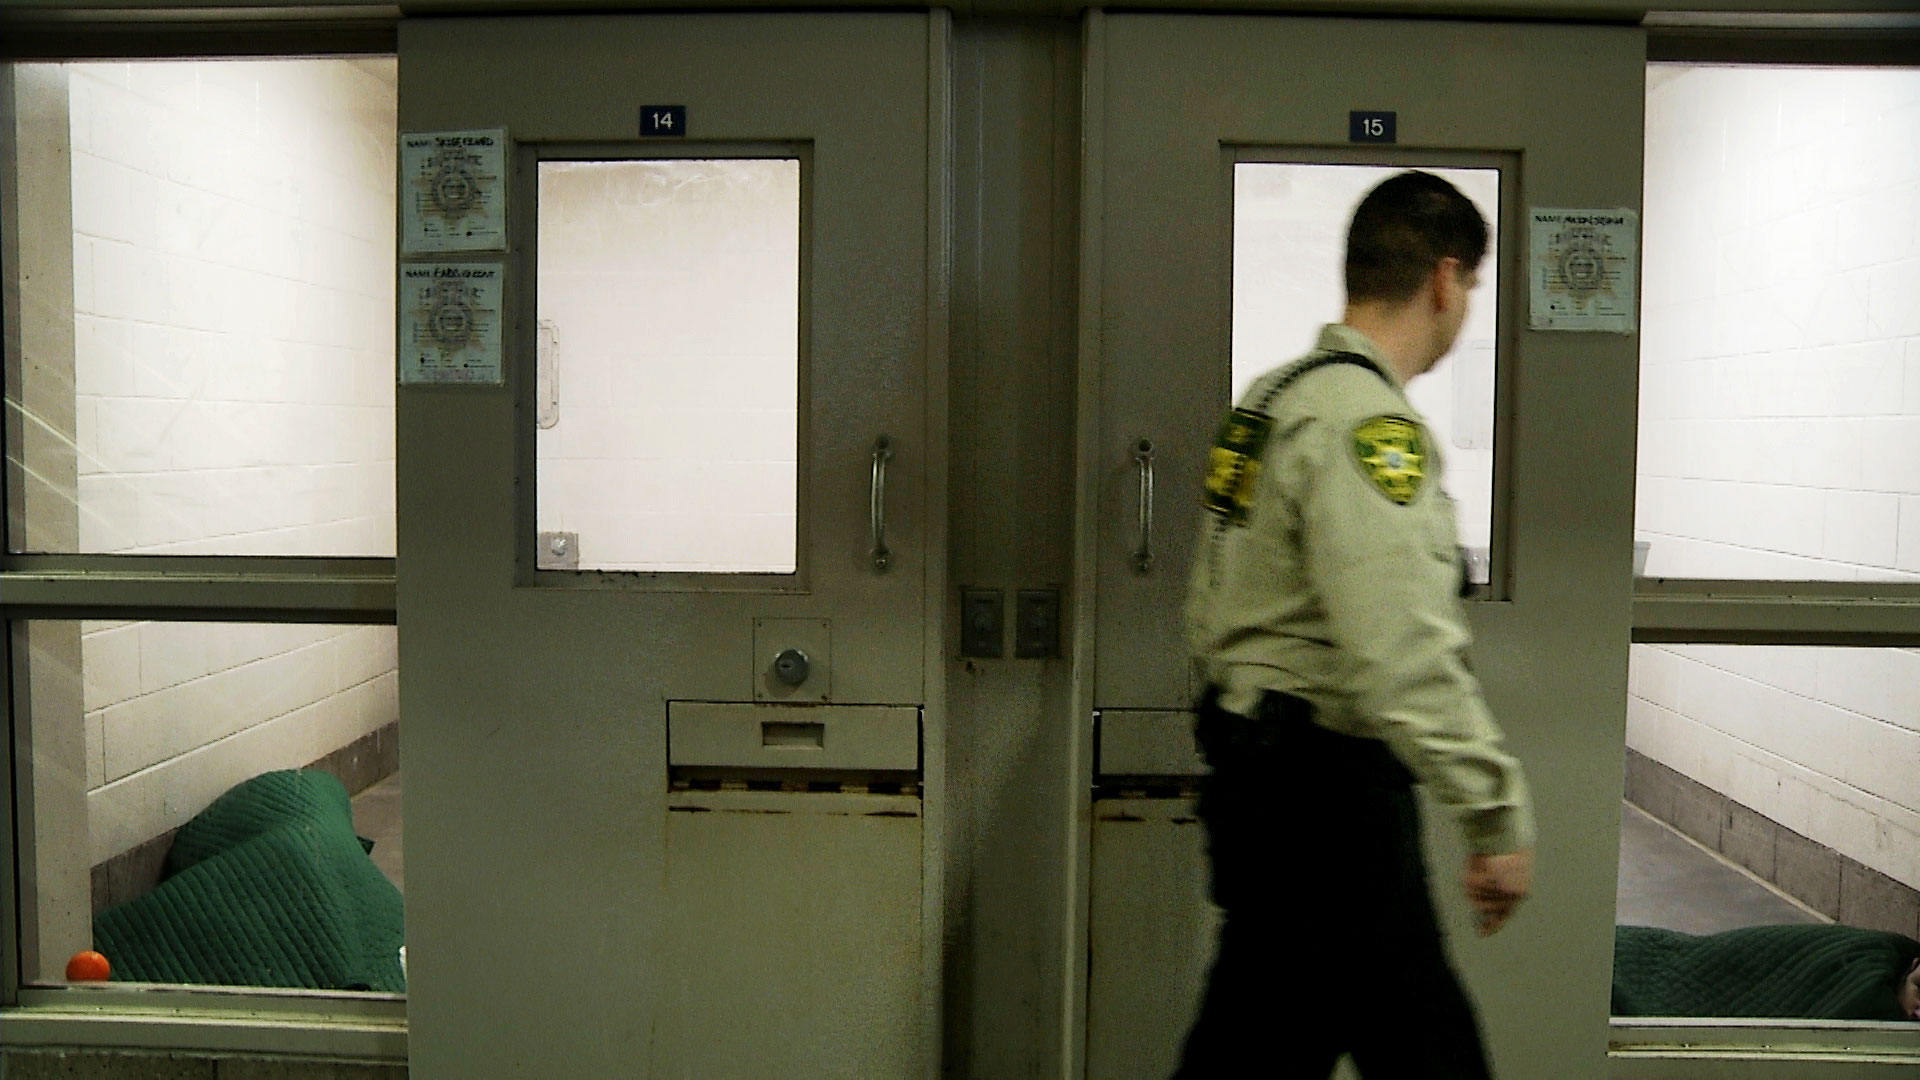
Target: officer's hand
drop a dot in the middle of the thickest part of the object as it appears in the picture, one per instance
(1496, 884)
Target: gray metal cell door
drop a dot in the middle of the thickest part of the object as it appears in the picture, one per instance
(663, 588)
(1179, 104)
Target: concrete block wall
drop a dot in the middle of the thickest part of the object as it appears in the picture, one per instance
(1780, 366)
(233, 296)
(673, 293)
(1830, 883)
(1780, 349)
(177, 713)
(232, 393)
(1824, 742)
(1289, 250)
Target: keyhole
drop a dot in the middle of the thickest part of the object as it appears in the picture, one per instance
(791, 667)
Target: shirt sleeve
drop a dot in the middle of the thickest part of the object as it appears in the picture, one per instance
(1386, 574)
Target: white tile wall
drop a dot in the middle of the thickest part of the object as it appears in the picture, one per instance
(1782, 282)
(211, 704)
(1825, 741)
(130, 810)
(233, 246)
(673, 289)
(1780, 400)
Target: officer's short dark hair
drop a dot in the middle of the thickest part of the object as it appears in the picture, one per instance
(1401, 231)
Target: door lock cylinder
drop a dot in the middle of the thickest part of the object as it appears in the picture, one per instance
(791, 667)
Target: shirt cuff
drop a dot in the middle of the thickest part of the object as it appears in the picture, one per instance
(1500, 831)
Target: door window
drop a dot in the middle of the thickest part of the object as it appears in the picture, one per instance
(669, 310)
(1289, 250)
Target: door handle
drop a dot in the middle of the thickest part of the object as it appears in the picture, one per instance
(877, 503)
(1143, 554)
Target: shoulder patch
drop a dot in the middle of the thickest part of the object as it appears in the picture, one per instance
(1233, 465)
(1392, 453)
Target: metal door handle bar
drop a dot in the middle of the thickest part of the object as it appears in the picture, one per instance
(1143, 555)
(877, 504)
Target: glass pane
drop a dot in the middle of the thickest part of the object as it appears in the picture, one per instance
(1770, 843)
(194, 795)
(669, 311)
(1780, 351)
(205, 266)
(1289, 254)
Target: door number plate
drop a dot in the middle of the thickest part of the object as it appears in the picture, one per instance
(1372, 127)
(663, 121)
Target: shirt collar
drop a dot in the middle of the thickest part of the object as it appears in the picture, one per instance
(1339, 337)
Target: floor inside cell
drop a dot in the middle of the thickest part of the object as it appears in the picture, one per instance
(376, 816)
(1668, 880)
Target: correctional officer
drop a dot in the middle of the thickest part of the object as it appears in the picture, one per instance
(1325, 616)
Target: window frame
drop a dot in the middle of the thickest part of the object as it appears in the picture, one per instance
(211, 588)
(1710, 611)
(1509, 277)
(522, 378)
(1777, 611)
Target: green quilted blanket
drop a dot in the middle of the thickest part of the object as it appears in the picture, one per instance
(1808, 972)
(269, 886)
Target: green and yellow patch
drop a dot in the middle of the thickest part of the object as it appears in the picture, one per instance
(1233, 465)
(1392, 452)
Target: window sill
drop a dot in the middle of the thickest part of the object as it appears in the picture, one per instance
(365, 1027)
(1765, 1048)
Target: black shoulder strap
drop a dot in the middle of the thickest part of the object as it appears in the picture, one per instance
(1259, 407)
(1308, 366)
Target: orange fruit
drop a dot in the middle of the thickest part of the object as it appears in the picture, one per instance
(88, 966)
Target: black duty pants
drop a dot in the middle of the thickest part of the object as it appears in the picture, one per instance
(1330, 945)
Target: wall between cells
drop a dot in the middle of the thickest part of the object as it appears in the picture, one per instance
(233, 382)
(1780, 383)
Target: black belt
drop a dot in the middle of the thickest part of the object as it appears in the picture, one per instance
(1284, 722)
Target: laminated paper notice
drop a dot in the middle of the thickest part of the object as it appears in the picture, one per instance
(450, 323)
(453, 194)
(1581, 270)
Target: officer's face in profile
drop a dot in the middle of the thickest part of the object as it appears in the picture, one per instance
(1910, 993)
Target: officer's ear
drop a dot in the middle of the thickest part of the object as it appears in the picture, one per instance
(1447, 288)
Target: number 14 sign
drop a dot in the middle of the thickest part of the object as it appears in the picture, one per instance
(663, 121)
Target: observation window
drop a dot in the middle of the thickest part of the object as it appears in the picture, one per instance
(1289, 253)
(1780, 346)
(202, 348)
(210, 803)
(1770, 852)
(669, 319)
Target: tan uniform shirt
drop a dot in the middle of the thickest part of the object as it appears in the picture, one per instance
(1327, 568)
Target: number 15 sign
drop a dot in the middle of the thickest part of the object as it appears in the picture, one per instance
(1372, 127)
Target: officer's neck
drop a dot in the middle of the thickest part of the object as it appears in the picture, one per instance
(1402, 332)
